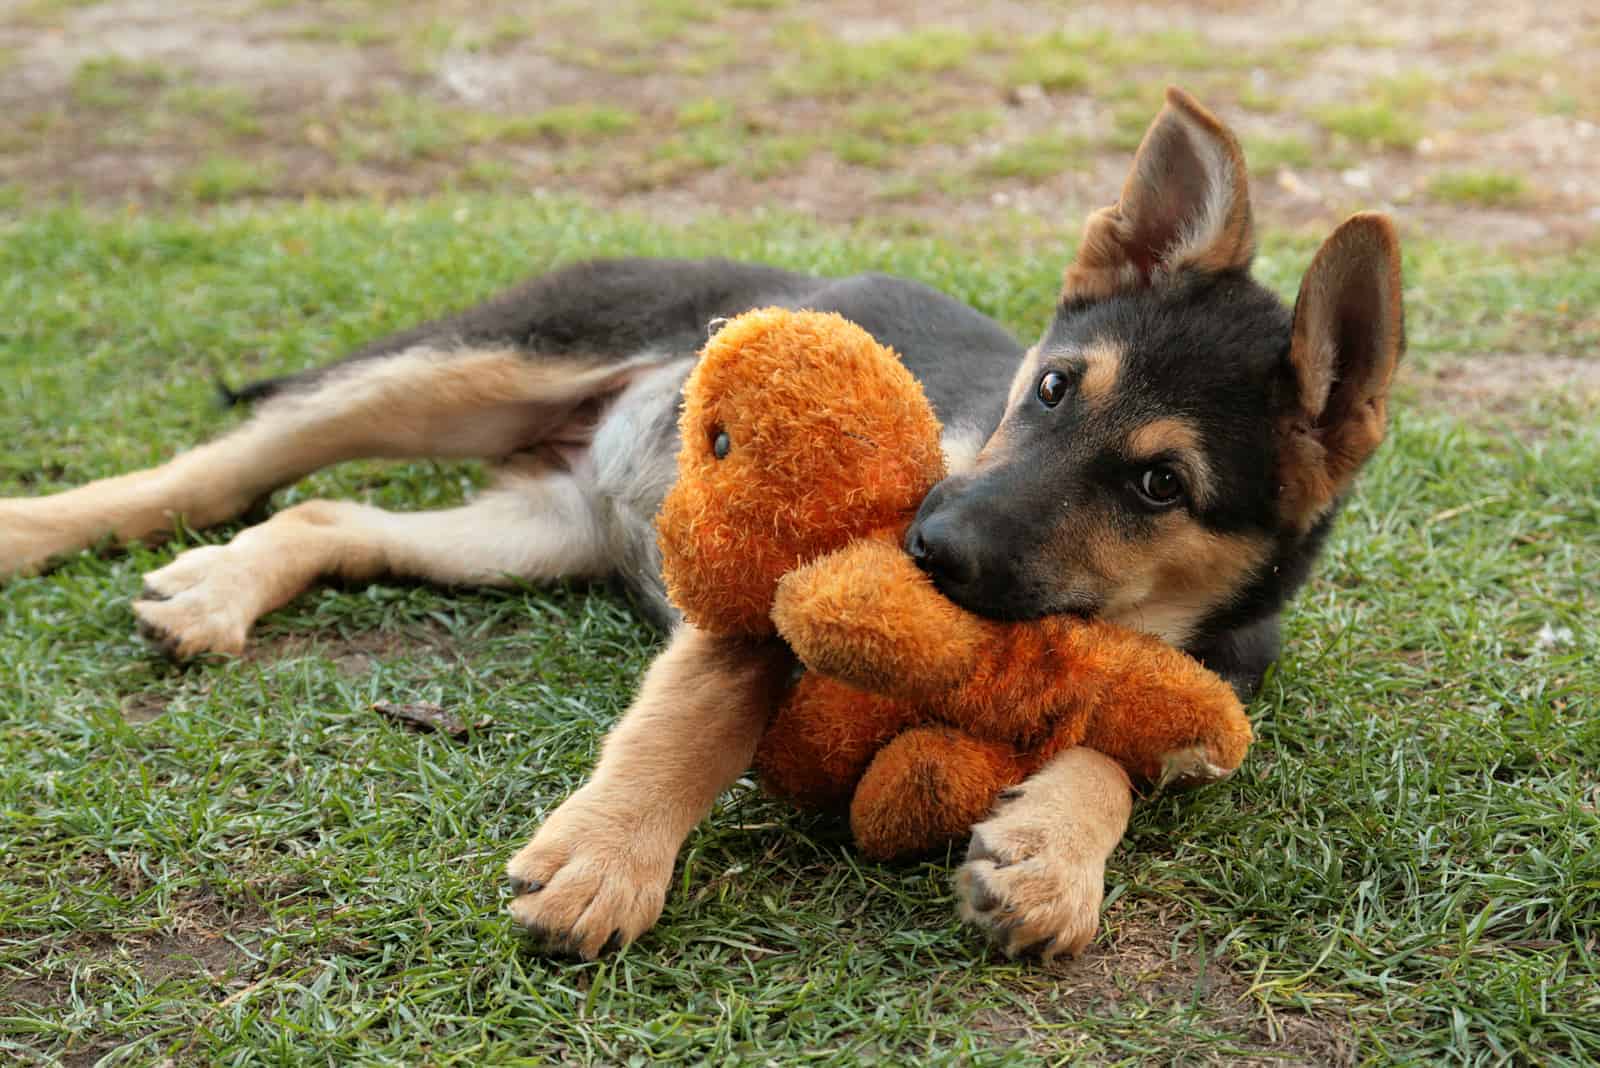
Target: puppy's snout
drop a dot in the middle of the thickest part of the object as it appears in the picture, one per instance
(944, 547)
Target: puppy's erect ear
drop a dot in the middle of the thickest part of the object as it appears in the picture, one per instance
(1349, 335)
(1185, 205)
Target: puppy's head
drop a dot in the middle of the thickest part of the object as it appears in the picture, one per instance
(1175, 445)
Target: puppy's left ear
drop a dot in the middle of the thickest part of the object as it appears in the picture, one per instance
(1185, 206)
(1349, 336)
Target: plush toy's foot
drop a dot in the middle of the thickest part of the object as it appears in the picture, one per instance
(1198, 765)
(821, 739)
(927, 788)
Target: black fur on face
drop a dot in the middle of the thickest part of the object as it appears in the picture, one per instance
(1189, 379)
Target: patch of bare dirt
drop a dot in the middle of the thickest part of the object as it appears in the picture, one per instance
(353, 654)
(145, 707)
(180, 103)
(347, 101)
(1508, 387)
(204, 941)
(1147, 961)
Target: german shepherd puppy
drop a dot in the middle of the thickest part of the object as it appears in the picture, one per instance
(1169, 456)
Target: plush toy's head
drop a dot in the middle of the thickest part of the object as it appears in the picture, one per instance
(800, 433)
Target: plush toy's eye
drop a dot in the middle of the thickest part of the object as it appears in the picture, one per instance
(1052, 388)
(720, 444)
(1159, 485)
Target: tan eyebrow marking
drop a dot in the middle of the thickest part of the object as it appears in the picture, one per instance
(1163, 435)
(1180, 439)
(1102, 363)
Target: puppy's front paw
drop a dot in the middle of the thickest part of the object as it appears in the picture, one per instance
(1032, 893)
(587, 884)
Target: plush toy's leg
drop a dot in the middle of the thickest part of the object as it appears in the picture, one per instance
(927, 788)
(821, 740)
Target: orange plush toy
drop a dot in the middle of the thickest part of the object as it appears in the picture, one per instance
(806, 450)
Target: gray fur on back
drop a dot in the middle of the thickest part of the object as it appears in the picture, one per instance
(634, 453)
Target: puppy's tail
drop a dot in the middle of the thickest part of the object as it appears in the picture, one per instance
(251, 392)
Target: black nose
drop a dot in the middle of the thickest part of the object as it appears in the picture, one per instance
(942, 546)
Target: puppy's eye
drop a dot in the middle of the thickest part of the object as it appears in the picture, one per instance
(1159, 485)
(720, 444)
(1052, 388)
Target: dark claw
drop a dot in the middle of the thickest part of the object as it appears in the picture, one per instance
(525, 886)
(162, 641)
(613, 943)
(148, 592)
(1039, 948)
(984, 899)
(1009, 795)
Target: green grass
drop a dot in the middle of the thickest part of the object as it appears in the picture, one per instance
(405, 127)
(219, 178)
(1379, 124)
(1055, 62)
(706, 111)
(580, 122)
(1489, 188)
(1128, 125)
(829, 67)
(110, 83)
(240, 862)
(1266, 155)
(876, 132)
(353, 34)
(768, 157)
(1034, 157)
(232, 110)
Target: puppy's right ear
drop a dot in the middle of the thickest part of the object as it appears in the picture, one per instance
(1349, 336)
(1185, 206)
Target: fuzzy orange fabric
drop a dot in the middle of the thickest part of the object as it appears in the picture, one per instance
(806, 450)
(930, 785)
(828, 437)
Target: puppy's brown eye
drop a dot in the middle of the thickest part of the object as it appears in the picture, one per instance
(1160, 485)
(720, 445)
(1052, 388)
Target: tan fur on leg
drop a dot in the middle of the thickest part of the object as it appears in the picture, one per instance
(207, 599)
(420, 403)
(1035, 871)
(595, 875)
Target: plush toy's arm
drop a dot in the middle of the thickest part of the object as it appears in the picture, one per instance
(1155, 710)
(866, 615)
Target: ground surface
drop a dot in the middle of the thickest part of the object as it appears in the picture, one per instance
(243, 862)
(1480, 121)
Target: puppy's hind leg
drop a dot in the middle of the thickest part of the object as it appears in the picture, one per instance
(420, 402)
(207, 599)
